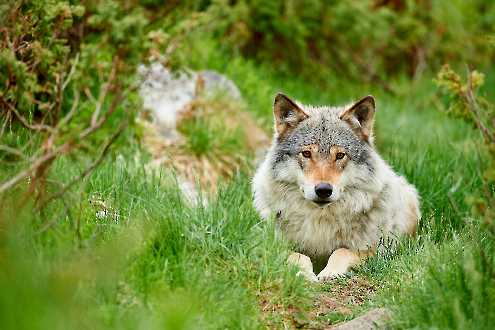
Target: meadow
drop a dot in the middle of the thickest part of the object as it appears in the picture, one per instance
(122, 248)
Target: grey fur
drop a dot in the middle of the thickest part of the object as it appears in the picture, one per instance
(324, 129)
(369, 200)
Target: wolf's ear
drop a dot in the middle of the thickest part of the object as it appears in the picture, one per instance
(287, 114)
(360, 116)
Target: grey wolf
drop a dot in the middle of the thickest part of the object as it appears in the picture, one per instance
(332, 194)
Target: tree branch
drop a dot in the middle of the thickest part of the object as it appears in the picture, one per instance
(474, 109)
(25, 123)
(88, 170)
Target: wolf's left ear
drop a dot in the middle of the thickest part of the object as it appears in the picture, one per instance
(287, 114)
(360, 116)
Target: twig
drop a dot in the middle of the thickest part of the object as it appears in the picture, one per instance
(89, 95)
(72, 111)
(36, 127)
(88, 170)
(71, 72)
(45, 159)
(113, 106)
(4, 125)
(103, 92)
(40, 163)
(21, 175)
(420, 54)
(12, 151)
(473, 107)
(58, 100)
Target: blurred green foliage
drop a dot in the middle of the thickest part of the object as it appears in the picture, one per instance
(464, 100)
(67, 77)
(52, 48)
(360, 39)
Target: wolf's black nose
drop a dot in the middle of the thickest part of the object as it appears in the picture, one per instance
(323, 190)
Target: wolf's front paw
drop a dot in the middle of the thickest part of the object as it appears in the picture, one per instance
(310, 276)
(303, 262)
(327, 275)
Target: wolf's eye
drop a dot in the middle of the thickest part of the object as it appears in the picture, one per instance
(306, 153)
(339, 155)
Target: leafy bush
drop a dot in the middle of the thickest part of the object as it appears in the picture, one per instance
(52, 49)
(67, 80)
(463, 101)
(361, 39)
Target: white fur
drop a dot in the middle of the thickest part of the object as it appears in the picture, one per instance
(368, 207)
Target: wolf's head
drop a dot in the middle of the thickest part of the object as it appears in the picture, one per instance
(324, 151)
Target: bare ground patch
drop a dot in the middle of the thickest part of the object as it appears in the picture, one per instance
(333, 303)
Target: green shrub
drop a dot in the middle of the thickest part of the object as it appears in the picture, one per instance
(463, 100)
(67, 78)
(360, 39)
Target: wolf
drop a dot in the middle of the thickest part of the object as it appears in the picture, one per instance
(331, 193)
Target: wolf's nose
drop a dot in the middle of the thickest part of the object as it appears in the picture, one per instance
(323, 190)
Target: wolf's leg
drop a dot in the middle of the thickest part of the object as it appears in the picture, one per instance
(340, 262)
(304, 263)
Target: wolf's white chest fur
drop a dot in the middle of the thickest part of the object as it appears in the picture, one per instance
(384, 204)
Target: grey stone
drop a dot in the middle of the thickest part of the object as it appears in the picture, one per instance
(374, 319)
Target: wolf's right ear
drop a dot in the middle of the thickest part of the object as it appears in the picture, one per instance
(287, 114)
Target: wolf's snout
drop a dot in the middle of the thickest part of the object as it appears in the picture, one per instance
(323, 190)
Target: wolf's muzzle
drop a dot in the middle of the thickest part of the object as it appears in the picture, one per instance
(323, 190)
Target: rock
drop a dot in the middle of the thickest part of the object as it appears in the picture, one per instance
(166, 94)
(172, 99)
(191, 194)
(374, 319)
(213, 81)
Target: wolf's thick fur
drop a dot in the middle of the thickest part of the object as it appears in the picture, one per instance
(331, 147)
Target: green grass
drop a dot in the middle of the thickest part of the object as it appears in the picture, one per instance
(448, 285)
(155, 262)
(206, 137)
(162, 263)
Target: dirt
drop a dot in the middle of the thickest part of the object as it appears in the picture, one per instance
(335, 304)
